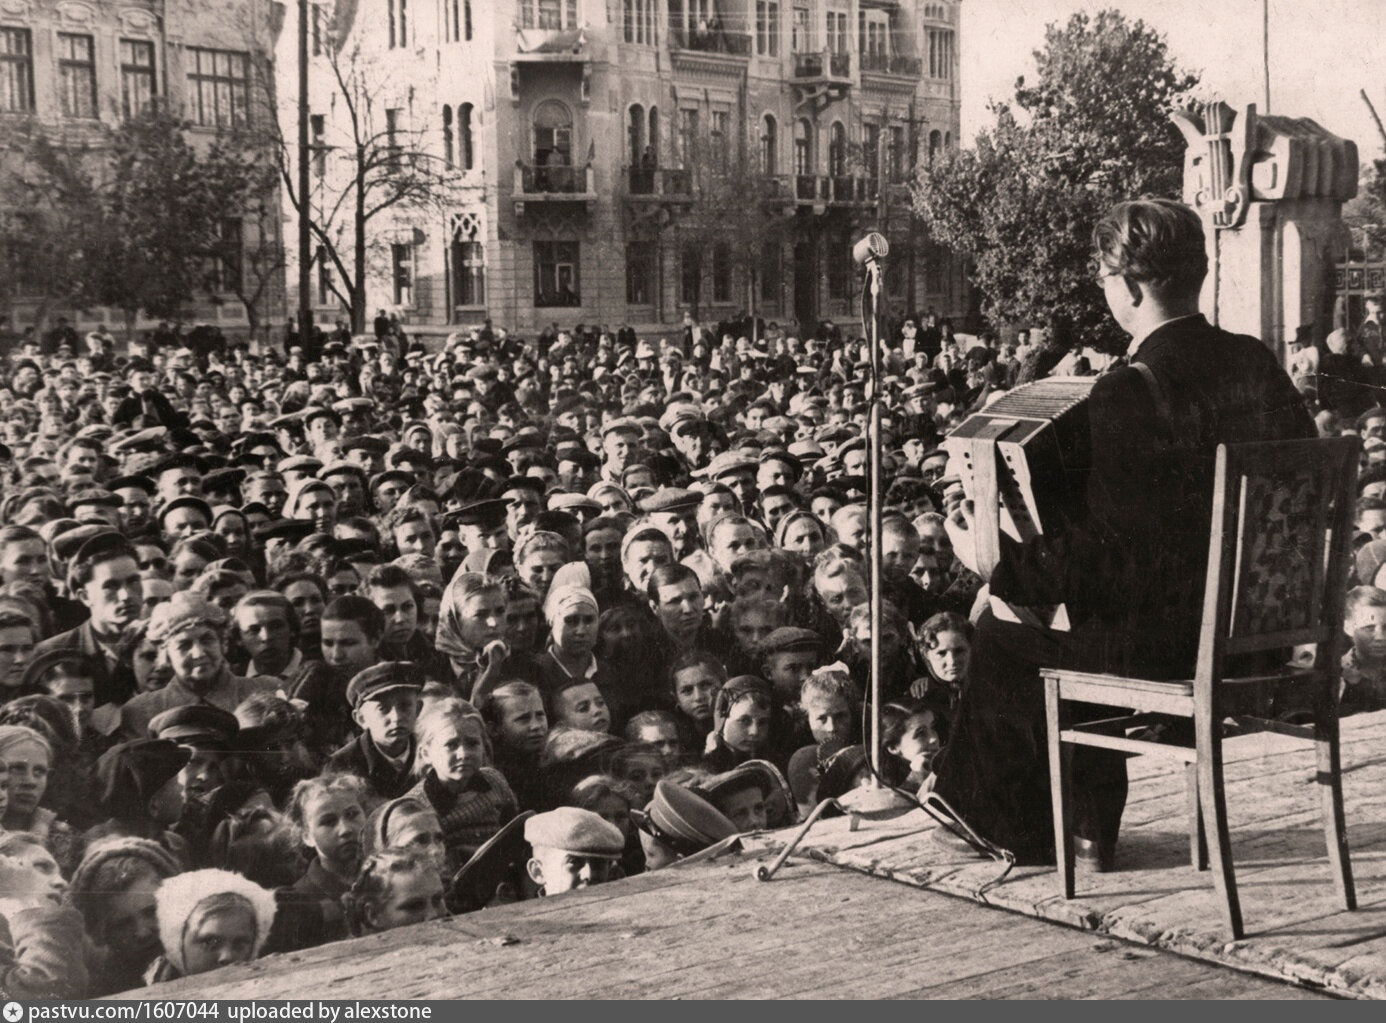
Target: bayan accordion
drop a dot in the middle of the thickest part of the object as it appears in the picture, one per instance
(1024, 461)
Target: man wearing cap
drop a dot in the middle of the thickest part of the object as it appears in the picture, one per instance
(522, 496)
(105, 576)
(178, 476)
(481, 525)
(679, 823)
(191, 634)
(572, 848)
(676, 512)
(385, 704)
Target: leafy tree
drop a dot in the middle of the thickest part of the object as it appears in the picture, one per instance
(1093, 129)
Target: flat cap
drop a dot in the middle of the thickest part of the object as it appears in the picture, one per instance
(74, 542)
(223, 479)
(729, 462)
(194, 723)
(300, 463)
(380, 678)
(625, 425)
(186, 502)
(97, 496)
(341, 466)
(292, 530)
(679, 413)
(533, 483)
(573, 503)
(133, 483)
(484, 371)
(668, 499)
(375, 445)
(488, 513)
(575, 831)
(318, 412)
(353, 405)
(791, 639)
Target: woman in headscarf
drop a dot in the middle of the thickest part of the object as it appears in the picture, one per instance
(471, 619)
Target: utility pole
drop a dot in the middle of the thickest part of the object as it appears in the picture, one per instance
(305, 243)
(1265, 51)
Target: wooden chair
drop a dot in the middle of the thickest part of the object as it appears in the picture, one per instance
(1278, 566)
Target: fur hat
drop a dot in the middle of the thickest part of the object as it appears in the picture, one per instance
(179, 897)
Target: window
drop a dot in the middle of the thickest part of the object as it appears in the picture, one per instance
(690, 275)
(803, 147)
(324, 276)
(839, 259)
(768, 28)
(76, 75)
(875, 31)
(548, 14)
(402, 273)
(897, 154)
(138, 86)
(770, 272)
(837, 32)
(719, 139)
(871, 150)
(556, 277)
(800, 40)
(638, 20)
(935, 143)
(837, 150)
(553, 147)
(471, 273)
(447, 135)
(635, 133)
(769, 146)
(457, 20)
(399, 23)
(688, 137)
(317, 124)
(229, 276)
(940, 53)
(640, 276)
(16, 71)
(721, 272)
(392, 146)
(218, 88)
(464, 136)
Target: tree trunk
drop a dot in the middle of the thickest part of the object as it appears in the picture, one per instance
(358, 286)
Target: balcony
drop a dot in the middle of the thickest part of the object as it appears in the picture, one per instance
(823, 66)
(891, 64)
(549, 184)
(821, 77)
(658, 184)
(714, 40)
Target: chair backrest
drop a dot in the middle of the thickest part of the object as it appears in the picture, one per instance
(1280, 550)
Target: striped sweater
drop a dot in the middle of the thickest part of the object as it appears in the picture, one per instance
(471, 816)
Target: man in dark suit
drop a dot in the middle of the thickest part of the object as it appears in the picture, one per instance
(1130, 567)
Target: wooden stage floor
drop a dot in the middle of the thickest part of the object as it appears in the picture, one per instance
(712, 931)
(1297, 929)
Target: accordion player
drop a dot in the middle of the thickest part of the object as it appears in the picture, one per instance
(1024, 462)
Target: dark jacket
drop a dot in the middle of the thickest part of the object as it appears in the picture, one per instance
(361, 758)
(111, 686)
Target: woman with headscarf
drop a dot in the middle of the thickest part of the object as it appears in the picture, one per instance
(209, 919)
(471, 619)
(572, 615)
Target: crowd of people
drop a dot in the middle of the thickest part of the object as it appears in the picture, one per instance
(297, 646)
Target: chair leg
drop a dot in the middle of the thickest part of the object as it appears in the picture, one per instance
(1213, 799)
(1060, 787)
(1330, 777)
(1198, 842)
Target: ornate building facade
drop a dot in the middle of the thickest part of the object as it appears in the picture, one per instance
(577, 136)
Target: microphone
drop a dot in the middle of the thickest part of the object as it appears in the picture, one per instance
(871, 249)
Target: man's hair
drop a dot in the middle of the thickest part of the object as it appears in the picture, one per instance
(541, 540)
(648, 719)
(1363, 596)
(12, 619)
(82, 571)
(668, 575)
(944, 621)
(356, 608)
(696, 659)
(17, 534)
(402, 515)
(1155, 241)
(387, 577)
(270, 598)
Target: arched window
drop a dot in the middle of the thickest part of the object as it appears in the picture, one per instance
(553, 133)
(947, 140)
(635, 129)
(803, 147)
(769, 146)
(464, 135)
(652, 139)
(447, 135)
(935, 143)
(837, 150)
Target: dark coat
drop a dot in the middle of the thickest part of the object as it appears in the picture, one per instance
(361, 758)
(1130, 568)
(110, 686)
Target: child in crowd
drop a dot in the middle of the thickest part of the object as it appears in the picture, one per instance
(695, 679)
(946, 640)
(385, 704)
(327, 815)
(394, 888)
(831, 704)
(518, 725)
(657, 728)
(409, 824)
(743, 714)
(209, 919)
(910, 736)
(471, 798)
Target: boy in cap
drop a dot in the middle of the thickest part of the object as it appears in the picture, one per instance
(572, 848)
(385, 704)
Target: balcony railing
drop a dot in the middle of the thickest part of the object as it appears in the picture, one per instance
(658, 181)
(710, 40)
(550, 180)
(824, 64)
(891, 64)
